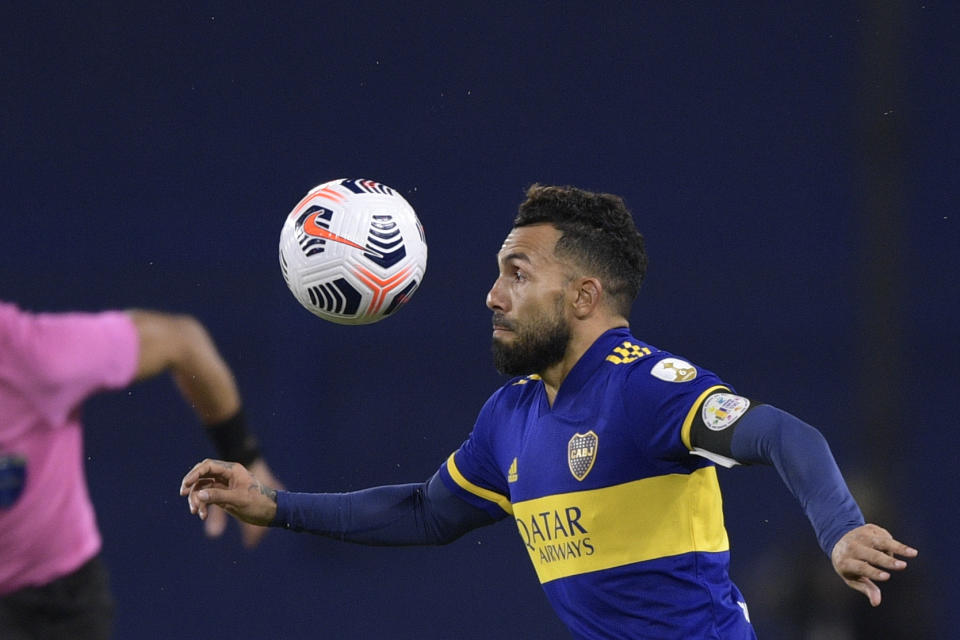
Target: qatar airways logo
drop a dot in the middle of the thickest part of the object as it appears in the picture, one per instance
(556, 535)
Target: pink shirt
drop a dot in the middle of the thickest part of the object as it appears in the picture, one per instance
(49, 364)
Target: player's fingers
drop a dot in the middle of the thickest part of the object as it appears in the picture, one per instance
(192, 500)
(882, 560)
(876, 545)
(216, 522)
(879, 538)
(207, 468)
(871, 590)
(194, 474)
(854, 569)
(897, 548)
(212, 495)
(867, 588)
(215, 496)
(197, 469)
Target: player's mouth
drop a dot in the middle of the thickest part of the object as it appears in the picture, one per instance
(501, 326)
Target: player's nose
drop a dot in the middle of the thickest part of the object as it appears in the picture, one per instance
(496, 300)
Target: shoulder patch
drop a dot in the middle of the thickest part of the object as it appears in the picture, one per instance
(723, 409)
(674, 370)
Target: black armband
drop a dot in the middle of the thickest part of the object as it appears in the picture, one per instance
(713, 425)
(233, 440)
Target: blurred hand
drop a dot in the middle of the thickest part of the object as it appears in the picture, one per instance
(867, 554)
(229, 485)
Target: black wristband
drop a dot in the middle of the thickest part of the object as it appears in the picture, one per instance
(233, 440)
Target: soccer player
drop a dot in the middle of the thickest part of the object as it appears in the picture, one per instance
(602, 450)
(53, 583)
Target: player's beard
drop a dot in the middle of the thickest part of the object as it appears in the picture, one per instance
(537, 344)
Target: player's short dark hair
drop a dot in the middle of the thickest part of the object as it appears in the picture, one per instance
(597, 232)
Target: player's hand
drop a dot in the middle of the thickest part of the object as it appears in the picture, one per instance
(231, 486)
(250, 534)
(866, 555)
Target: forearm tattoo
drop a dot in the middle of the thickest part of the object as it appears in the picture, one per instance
(270, 492)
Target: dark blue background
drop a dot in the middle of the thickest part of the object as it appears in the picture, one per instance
(793, 170)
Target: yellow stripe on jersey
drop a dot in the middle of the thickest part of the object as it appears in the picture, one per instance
(486, 494)
(688, 421)
(574, 533)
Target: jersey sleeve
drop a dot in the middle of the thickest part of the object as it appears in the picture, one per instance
(665, 393)
(471, 472)
(59, 359)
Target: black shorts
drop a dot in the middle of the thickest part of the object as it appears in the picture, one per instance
(77, 606)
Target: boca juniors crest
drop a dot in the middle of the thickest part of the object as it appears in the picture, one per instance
(582, 453)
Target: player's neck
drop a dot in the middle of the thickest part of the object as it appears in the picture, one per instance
(582, 339)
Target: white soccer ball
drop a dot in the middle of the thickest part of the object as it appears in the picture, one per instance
(353, 251)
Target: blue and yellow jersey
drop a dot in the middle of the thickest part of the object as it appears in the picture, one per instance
(623, 525)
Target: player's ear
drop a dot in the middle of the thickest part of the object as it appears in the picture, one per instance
(586, 296)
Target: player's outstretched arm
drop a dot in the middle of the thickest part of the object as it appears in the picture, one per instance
(862, 554)
(231, 486)
(425, 513)
(866, 555)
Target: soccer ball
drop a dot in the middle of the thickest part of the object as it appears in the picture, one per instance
(353, 251)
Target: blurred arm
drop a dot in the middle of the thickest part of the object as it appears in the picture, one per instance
(181, 345)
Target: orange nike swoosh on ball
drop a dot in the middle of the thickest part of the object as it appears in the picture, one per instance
(310, 227)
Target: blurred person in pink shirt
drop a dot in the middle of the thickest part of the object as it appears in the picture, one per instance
(52, 581)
